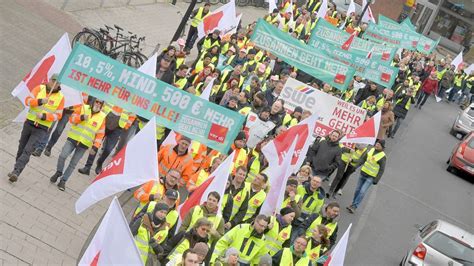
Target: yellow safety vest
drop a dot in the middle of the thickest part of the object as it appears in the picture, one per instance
(199, 17)
(287, 259)
(85, 131)
(142, 240)
(286, 201)
(313, 252)
(245, 111)
(407, 105)
(199, 213)
(180, 83)
(458, 79)
(367, 107)
(312, 203)
(371, 167)
(277, 236)
(238, 200)
(171, 217)
(348, 95)
(355, 155)
(254, 202)
(289, 121)
(50, 107)
(330, 226)
(440, 74)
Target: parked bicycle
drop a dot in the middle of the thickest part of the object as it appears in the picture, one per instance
(125, 49)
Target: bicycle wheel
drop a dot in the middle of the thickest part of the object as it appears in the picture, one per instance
(225, 1)
(89, 39)
(214, 2)
(131, 59)
(242, 2)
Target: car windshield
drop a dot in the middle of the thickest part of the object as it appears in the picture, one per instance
(471, 143)
(451, 247)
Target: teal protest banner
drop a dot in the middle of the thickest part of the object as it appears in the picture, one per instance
(424, 44)
(105, 78)
(301, 56)
(337, 37)
(370, 69)
(396, 38)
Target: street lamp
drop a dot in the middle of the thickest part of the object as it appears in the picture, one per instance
(364, 10)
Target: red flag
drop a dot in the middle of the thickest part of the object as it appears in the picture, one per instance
(347, 44)
(134, 165)
(223, 19)
(365, 133)
(113, 243)
(216, 182)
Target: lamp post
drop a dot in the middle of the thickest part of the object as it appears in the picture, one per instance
(182, 24)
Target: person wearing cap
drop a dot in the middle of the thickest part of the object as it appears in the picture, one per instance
(294, 118)
(176, 157)
(239, 59)
(231, 258)
(150, 232)
(272, 17)
(241, 155)
(182, 241)
(279, 230)
(154, 190)
(170, 51)
(229, 54)
(46, 104)
(196, 18)
(403, 102)
(373, 163)
(212, 39)
(249, 239)
(208, 210)
(165, 69)
(87, 131)
(294, 255)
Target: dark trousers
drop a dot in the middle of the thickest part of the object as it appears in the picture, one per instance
(422, 99)
(442, 92)
(60, 125)
(191, 38)
(111, 139)
(398, 122)
(340, 181)
(453, 93)
(28, 138)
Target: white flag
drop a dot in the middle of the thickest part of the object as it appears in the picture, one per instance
(351, 9)
(368, 15)
(113, 243)
(457, 61)
(51, 63)
(337, 256)
(278, 176)
(365, 133)
(149, 67)
(469, 69)
(323, 9)
(132, 166)
(223, 19)
(271, 5)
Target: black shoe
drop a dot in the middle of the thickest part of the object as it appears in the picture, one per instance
(84, 170)
(55, 177)
(13, 177)
(98, 169)
(37, 153)
(351, 209)
(62, 185)
(47, 152)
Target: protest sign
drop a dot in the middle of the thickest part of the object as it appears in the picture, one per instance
(393, 37)
(334, 113)
(337, 37)
(256, 129)
(367, 68)
(105, 78)
(301, 56)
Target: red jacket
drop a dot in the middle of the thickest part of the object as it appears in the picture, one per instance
(430, 85)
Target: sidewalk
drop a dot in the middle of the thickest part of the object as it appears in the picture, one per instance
(38, 225)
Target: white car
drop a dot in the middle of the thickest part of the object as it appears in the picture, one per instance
(464, 122)
(440, 243)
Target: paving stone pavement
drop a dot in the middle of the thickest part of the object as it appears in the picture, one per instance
(38, 225)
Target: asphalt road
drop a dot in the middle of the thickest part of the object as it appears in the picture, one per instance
(415, 189)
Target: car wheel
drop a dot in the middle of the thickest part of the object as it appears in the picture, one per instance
(452, 131)
(402, 262)
(451, 169)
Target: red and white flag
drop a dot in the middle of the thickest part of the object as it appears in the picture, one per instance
(347, 44)
(338, 254)
(113, 243)
(223, 19)
(274, 150)
(457, 61)
(365, 133)
(278, 176)
(368, 15)
(351, 9)
(369, 54)
(134, 165)
(216, 182)
(50, 64)
(323, 9)
(172, 137)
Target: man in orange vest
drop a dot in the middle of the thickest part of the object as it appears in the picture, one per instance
(176, 157)
(46, 104)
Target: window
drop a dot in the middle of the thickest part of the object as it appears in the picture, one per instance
(427, 229)
(451, 247)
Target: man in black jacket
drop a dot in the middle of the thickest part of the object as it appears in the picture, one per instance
(163, 71)
(369, 90)
(403, 101)
(325, 156)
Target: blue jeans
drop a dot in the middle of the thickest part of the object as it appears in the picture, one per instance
(111, 139)
(68, 148)
(362, 187)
